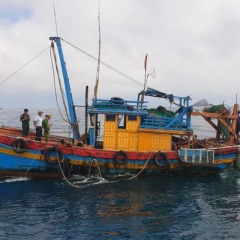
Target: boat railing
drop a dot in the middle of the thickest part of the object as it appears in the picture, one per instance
(118, 104)
(196, 155)
(167, 123)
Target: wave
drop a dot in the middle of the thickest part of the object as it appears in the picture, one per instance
(17, 179)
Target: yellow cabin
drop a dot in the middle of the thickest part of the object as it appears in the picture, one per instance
(128, 127)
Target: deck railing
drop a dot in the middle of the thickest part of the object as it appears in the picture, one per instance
(168, 123)
(118, 104)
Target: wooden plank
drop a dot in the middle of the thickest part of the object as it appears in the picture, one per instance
(210, 122)
(226, 125)
(234, 123)
(218, 132)
(221, 118)
(213, 115)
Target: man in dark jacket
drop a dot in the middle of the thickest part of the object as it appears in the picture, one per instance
(25, 118)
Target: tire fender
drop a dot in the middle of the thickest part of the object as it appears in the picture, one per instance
(123, 160)
(20, 145)
(58, 157)
(163, 156)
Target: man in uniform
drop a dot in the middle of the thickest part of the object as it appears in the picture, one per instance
(46, 126)
(25, 118)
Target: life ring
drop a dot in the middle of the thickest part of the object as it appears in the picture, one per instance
(164, 158)
(123, 159)
(20, 145)
(53, 150)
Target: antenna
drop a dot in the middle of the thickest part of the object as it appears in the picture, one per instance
(55, 18)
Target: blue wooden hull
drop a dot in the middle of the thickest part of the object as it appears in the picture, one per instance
(74, 160)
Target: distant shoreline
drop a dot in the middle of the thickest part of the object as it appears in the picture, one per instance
(202, 103)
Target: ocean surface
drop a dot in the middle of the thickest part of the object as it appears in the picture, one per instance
(166, 207)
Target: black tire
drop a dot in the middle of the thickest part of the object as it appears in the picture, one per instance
(121, 161)
(80, 144)
(56, 159)
(118, 100)
(20, 145)
(163, 157)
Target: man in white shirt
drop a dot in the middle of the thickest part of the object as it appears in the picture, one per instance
(38, 126)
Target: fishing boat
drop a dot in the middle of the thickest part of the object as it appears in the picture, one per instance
(135, 140)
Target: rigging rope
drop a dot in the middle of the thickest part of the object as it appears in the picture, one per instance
(24, 65)
(106, 65)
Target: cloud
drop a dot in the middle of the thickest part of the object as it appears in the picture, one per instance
(192, 44)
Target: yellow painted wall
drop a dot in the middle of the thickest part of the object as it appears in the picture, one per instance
(121, 139)
(153, 141)
(133, 125)
(133, 139)
(109, 135)
(127, 141)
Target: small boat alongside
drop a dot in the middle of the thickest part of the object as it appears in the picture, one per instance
(135, 140)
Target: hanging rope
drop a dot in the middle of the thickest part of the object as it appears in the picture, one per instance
(64, 98)
(94, 160)
(54, 78)
(60, 86)
(61, 90)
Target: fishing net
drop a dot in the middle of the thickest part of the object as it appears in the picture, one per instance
(160, 111)
(221, 109)
(217, 109)
(108, 104)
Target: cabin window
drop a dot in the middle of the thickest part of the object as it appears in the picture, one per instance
(122, 121)
(110, 118)
(132, 118)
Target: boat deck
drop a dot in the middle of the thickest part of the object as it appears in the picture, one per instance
(17, 133)
(54, 139)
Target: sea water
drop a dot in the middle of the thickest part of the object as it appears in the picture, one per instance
(166, 207)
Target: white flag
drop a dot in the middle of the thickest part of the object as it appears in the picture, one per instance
(152, 73)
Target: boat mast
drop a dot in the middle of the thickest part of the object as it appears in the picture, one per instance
(145, 80)
(99, 54)
(71, 107)
(94, 120)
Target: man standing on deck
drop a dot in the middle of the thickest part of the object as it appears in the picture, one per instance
(46, 126)
(38, 126)
(25, 118)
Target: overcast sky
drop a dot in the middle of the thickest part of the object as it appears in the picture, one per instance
(194, 46)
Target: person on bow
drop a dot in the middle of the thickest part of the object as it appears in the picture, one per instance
(38, 126)
(25, 118)
(46, 126)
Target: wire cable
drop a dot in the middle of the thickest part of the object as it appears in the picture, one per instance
(105, 64)
(24, 65)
